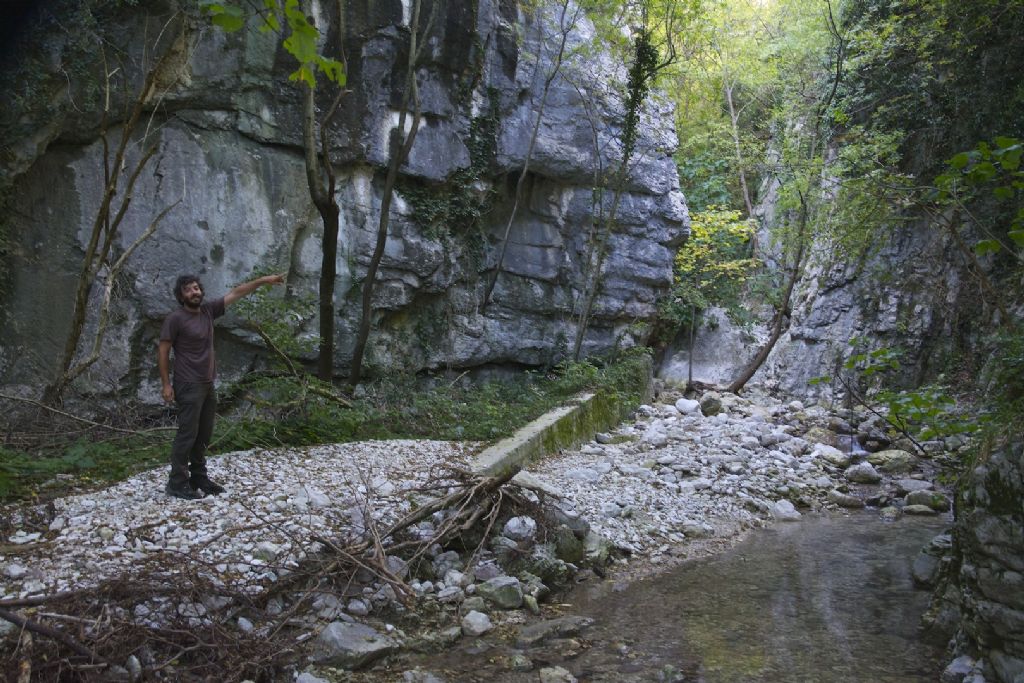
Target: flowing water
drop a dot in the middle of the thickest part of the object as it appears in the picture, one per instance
(825, 600)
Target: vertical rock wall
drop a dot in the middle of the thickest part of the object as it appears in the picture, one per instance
(229, 157)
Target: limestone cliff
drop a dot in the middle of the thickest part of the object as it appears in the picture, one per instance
(229, 150)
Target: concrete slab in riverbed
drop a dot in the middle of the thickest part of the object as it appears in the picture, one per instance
(564, 427)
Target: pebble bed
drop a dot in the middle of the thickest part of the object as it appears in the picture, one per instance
(666, 485)
(276, 503)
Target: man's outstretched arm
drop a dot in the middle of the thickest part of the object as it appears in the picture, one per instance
(247, 288)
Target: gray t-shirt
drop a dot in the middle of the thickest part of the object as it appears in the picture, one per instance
(191, 337)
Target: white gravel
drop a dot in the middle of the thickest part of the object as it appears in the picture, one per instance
(277, 501)
(679, 481)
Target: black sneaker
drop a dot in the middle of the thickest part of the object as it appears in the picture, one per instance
(207, 486)
(186, 492)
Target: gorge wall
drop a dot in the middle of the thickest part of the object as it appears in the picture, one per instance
(229, 158)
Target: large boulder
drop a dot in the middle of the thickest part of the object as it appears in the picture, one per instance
(351, 646)
(893, 461)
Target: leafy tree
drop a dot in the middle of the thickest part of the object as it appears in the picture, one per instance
(301, 38)
(120, 174)
(711, 269)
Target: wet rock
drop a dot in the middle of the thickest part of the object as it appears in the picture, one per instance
(932, 499)
(920, 510)
(893, 461)
(844, 500)
(862, 473)
(531, 603)
(784, 511)
(476, 623)
(905, 486)
(556, 674)
(504, 592)
(351, 646)
(563, 627)
(307, 677)
(890, 514)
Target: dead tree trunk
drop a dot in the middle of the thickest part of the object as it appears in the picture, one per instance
(784, 309)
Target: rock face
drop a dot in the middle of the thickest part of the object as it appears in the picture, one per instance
(229, 152)
(987, 583)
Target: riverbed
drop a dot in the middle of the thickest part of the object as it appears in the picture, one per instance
(827, 600)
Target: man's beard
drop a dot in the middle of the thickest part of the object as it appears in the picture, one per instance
(194, 301)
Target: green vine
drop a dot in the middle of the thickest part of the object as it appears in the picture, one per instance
(456, 206)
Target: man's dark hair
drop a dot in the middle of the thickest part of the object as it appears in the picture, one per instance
(183, 282)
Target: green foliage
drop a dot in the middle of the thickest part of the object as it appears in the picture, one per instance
(281, 320)
(457, 206)
(927, 412)
(711, 268)
(301, 39)
(82, 463)
(993, 173)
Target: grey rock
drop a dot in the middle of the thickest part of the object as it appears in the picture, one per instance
(556, 674)
(844, 500)
(476, 624)
(893, 461)
(474, 604)
(925, 570)
(920, 510)
(520, 528)
(358, 608)
(862, 473)
(687, 406)
(905, 486)
(504, 592)
(307, 677)
(958, 669)
(784, 511)
(351, 646)
(932, 499)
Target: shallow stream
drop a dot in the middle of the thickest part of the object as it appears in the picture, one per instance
(825, 600)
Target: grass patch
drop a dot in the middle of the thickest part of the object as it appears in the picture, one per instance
(279, 412)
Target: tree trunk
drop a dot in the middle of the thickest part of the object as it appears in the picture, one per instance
(400, 148)
(533, 141)
(782, 312)
(734, 118)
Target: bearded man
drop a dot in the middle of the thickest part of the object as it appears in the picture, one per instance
(189, 332)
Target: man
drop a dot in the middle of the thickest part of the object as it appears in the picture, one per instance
(189, 331)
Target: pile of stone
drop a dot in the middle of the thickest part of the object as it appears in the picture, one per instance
(688, 470)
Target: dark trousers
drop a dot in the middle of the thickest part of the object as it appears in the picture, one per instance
(197, 404)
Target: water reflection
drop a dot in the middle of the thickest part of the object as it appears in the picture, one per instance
(827, 600)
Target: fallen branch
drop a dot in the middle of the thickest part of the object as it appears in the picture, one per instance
(59, 636)
(83, 420)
